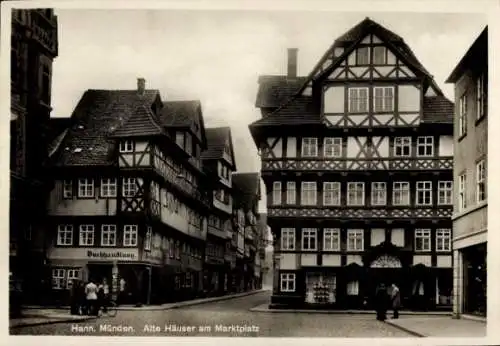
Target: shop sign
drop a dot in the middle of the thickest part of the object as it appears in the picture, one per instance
(96, 254)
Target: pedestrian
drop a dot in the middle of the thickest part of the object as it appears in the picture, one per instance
(121, 294)
(395, 300)
(74, 297)
(104, 294)
(91, 296)
(381, 302)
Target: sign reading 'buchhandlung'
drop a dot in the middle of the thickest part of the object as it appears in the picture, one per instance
(96, 254)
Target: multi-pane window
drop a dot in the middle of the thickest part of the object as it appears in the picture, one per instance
(425, 146)
(288, 239)
(291, 193)
(462, 115)
(401, 193)
(87, 235)
(422, 239)
(480, 181)
(130, 235)
(308, 193)
(363, 56)
(424, 193)
(383, 99)
(379, 193)
(65, 235)
(355, 193)
(108, 235)
(355, 239)
(58, 278)
(72, 274)
(108, 187)
(129, 187)
(443, 239)
(480, 97)
(331, 239)
(462, 199)
(379, 55)
(402, 146)
(68, 188)
(332, 147)
(148, 239)
(309, 147)
(445, 192)
(126, 146)
(85, 188)
(331, 193)
(287, 282)
(358, 100)
(309, 239)
(277, 192)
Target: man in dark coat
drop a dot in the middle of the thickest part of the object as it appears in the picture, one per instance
(381, 302)
(395, 300)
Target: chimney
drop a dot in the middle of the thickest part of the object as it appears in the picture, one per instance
(292, 62)
(141, 86)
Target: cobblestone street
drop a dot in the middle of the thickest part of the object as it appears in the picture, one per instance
(221, 319)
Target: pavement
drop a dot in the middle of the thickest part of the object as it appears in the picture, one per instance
(236, 316)
(439, 326)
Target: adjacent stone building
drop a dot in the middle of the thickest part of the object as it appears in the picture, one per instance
(357, 160)
(470, 227)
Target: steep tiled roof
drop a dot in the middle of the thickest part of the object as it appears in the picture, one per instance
(142, 123)
(276, 90)
(179, 113)
(248, 184)
(299, 111)
(216, 141)
(97, 115)
(438, 109)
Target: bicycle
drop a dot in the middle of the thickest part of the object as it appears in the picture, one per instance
(109, 310)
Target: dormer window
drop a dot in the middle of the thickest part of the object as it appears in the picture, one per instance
(179, 139)
(126, 146)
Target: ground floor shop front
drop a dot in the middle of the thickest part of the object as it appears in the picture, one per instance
(470, 280)
(354, 287)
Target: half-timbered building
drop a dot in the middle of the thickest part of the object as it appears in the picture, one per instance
(247, 193)
(129, 203)
(220, 254)
(470, 221)
(34, 46)
(357, 161)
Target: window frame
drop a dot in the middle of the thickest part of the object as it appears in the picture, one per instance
(277, 193)
(309, 149)
(427, 188)
(349, 192)
(69, 278)
(313, 191)
(127, 183)
(444, 235)
(148, 239)
(387, 106)
(86, 235)
(310, 234)
(336, 193)
(402, 146)
(110, 231)
(400, 190)
(291, 192)
(126, 146)
(290, 234)
(425, 235)
(368, 55)
(86, 188)
(107, 186)
(287, 282)
(374, 196)
(462, 115)
(481, 181)
(358, 99)
(425, 145)
(61, 283)
(481, 97)
(352, 236)
(462, 191)
(445, 191)
(67, 188)
(334, 238)
(68, 229)
(384, 55)
(332, 147)
(130, 232)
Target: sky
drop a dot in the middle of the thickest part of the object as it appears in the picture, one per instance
(217, 56)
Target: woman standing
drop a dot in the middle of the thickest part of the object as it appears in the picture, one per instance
(381, 302)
